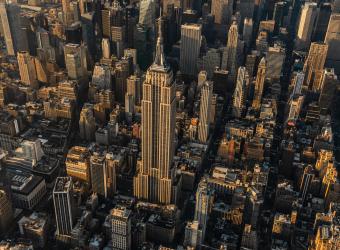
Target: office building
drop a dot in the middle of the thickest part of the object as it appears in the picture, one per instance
(332, 39)
(210, 61)
(248, 31)
(307, 178)
(6, 212)
(87, 123)
(222, 10)
(240, 93)
(193, 235)
(121, 74)
(202, 78)
(205, 111)
(298, 80)
(27, 190)
(306, 23)
(147, 10)
(295, 105)
(204, 203)
(259, 84)
(275, 58)
(320, 29)
(118, 29)
(78, 163)
(191, 36)
(35, 228)
(28, 74)
(63, 205)
(328, 87)
(249, 238)
(245, 8)
(314, 65)
(106, 48)
(230, 57)
(9, 13)
(75, 61)
(154, 180)
(32, 150)
(134, 88)
(68, 14)
(98, 174)
(251, 62)
(121, 228)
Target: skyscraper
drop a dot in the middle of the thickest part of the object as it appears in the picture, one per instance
(68, 15)
(204, 203)
(205, 111)
(275, 58)
(320, 29)
(191, 36)
(193, 235)
(306, 23)
(78, 164)
(328, 86)
(246, 8)
(259, 84)
(117, 28)
(222, 10)
(106, 50)
(9, 14)
(27, 70)
(155, 178)
(314, 65)
(75, 60)
(87, 123)
(147, 13)
(134, 88)
(240, 93)
(295, 105)
(63, 205)
(98, 174)
(248, 31)
(230, 60)
(333, 40)
(121, 228)
(6, 212)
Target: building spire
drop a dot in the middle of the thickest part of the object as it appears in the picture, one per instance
(160, 57)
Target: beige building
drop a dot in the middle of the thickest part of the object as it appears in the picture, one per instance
(78, 163)
(222, 10)
(154, 181)
(259, 84)
(28, 75)
(314, 65)
(87, 123)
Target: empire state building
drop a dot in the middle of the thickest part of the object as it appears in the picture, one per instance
(154, 180)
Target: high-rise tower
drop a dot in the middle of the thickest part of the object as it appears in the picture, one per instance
(222, 10)
(259, 84)
(314, 65)
(333, 40)
(240, 93)
(230, 60)
(154, 180)
(191, 36)
(306, 23)
(205, 111)
(204, 202)
(27, 70)
(63, 205)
